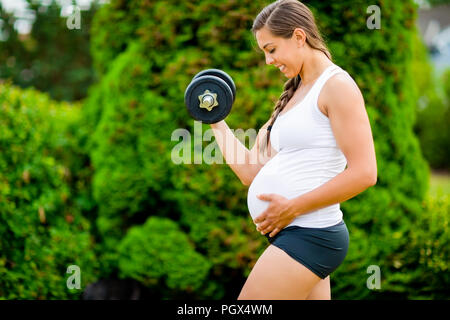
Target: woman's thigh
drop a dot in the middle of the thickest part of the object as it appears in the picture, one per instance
(321, 291)
(277, 276)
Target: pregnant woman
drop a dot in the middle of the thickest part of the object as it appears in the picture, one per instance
(296, 171)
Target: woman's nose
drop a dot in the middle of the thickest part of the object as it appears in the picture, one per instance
(269, 60)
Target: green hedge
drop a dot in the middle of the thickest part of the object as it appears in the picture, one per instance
(42, 227)
(159, 250)
(420, 269)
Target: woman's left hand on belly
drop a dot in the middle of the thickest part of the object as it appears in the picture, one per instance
(277, 215)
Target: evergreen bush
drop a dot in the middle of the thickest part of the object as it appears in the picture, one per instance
(43, 198)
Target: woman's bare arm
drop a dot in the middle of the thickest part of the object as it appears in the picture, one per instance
(244, 163)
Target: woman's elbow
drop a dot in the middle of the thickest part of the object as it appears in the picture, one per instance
(250, 174)
(246, 182)
(372, 178)
(374, 181)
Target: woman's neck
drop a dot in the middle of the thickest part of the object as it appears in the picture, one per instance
(314, 66)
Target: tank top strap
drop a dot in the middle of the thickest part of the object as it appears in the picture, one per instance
(331, 71)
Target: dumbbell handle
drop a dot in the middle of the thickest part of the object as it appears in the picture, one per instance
(208, 100)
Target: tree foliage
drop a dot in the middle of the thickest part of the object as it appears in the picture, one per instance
(51, 58)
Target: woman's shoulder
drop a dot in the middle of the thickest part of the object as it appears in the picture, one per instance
(340, 79)
(339, 87)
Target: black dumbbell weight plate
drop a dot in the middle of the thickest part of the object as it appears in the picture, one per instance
(198, 88)
(222, 75)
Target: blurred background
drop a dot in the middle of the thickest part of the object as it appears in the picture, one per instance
(91, 91)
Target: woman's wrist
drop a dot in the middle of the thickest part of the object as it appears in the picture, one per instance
(294, 207)
(217, 125)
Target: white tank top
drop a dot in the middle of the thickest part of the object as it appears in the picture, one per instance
(307, 157)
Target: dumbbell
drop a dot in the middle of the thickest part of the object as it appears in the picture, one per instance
(210, 95)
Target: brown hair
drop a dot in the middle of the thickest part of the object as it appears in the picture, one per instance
(281, 18)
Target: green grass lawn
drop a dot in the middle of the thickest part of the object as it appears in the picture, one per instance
(439, 184)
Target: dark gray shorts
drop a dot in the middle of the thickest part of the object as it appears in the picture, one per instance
(321, 250)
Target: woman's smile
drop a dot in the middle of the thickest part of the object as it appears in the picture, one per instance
(282, 68)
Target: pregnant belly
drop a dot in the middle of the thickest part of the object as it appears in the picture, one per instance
(266, 181)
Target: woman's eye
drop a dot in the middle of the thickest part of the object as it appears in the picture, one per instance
(272, 51)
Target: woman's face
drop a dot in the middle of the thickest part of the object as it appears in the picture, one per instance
(285, 54)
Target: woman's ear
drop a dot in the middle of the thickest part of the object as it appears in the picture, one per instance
(299, 36)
